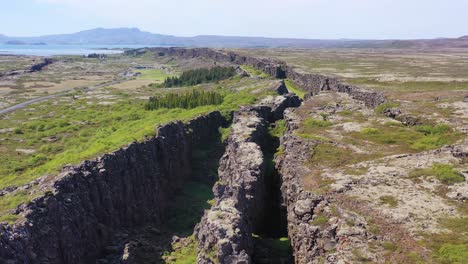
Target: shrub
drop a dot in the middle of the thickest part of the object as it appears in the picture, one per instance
(18, 131)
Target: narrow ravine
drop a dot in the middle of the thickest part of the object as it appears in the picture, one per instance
(247, 222)
(154, 244)
(271, 242)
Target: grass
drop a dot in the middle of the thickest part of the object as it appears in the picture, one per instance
(185, 255)
(409, 139)
(76, 130)
(294, 89)
(333, 156)
(451, 246)
(278, 129)
(225, 132)
(381, 108)
(252, 71)
(389, 200)
(152, 74)
(445, 173)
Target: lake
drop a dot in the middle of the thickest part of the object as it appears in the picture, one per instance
(50, 50)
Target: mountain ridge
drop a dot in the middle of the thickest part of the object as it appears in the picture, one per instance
(135, 36)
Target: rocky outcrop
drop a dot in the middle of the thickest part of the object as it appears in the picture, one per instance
(225, 231)
(41, 65)
(312, 83)
(317, 226)
(89, 203)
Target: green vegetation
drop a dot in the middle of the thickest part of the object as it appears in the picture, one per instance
(451, 246)
(311, 123)
(333, 156)
(187, 100)
(381, 108)
(445, 173)
(389, 200)
(417, 138)
(225, 132)
(252, 71)
(79, 129)
(319, 220)
(189, 205)
(294, 89)
(453, 254)
(198, 76)
(152, 74)
(278, 129)
(186, 254)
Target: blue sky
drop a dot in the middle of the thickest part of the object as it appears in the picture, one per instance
(326, 19)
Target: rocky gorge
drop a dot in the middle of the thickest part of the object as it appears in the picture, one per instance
(261, 192)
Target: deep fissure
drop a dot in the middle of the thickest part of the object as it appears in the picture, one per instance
(149, 243)
(271, 243)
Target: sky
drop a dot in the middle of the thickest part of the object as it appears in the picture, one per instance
(316, 19)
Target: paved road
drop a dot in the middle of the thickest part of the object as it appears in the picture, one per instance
(40, 99)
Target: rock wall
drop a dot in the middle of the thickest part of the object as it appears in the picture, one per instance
(313, 83)
(225, 231)
(74, 222)
(312, 240)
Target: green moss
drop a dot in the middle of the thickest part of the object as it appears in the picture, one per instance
(225, 132)
(294, 89)
(389, 200)
(443, 172)
(319, 220)
(9, 218)
(278, 129)
(184, 255)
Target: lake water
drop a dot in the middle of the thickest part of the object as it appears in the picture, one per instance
(50, 50)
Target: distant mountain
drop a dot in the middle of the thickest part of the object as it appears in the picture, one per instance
(134, 36)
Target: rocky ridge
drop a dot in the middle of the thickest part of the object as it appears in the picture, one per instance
(225, 231)
(312, 83)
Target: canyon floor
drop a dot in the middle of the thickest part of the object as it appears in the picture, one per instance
(322, 177)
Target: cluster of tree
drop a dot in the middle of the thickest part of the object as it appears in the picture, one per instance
(184, 100)
(197, 76)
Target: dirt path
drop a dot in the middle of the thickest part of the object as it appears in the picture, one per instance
(40, 99)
